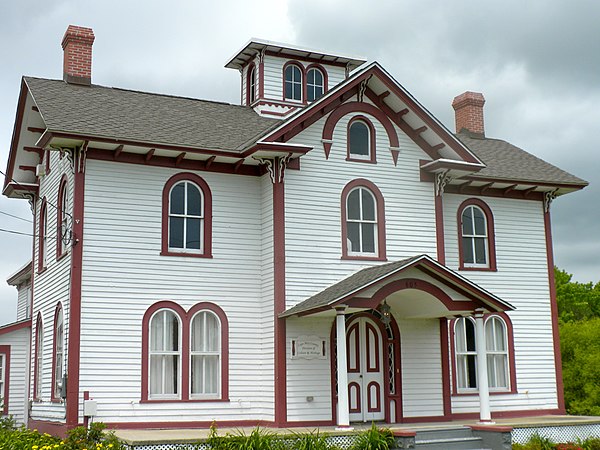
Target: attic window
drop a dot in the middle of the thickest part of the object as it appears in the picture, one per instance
(252, 85)
(293, 83)
(361, 140)
(314, 84)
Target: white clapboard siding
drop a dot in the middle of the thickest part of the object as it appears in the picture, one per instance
(51, 287)
(122, 235)
(313, 208)
(309, 377)
(18, 376)
(24, 301)
(421, 368)
(522, 280)
(273, 67)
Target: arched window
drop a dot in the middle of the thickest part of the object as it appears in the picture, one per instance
(164, 355)
(363, 232)
(39, 358)
(43, 236)
(58, 356)
(251, 85)
(500, 358)
(315, 84)
(187, 216)
(205, 354)
(361, 140)
(476, 236)
(292, 82)
(185, 355)
(62, 226)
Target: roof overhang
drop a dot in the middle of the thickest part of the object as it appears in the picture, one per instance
(256, 46)
(15, 326)
(364, 288)
(21, 275)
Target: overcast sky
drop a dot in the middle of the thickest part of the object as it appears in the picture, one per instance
(537, 63)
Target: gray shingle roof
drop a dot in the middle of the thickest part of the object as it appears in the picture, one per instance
(138, 116)
(348, 285)
(507, 162)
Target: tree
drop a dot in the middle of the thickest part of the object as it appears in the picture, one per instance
(576, 301)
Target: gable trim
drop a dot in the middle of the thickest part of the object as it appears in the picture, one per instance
(12, 155)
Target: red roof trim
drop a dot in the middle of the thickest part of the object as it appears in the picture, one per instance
(12, 155)
(9, 328)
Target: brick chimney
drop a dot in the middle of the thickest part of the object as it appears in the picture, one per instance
(77, 61)
(468, 112)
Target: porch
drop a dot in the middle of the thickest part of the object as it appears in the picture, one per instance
(559, 428)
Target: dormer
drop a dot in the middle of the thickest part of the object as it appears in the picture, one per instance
(278, 79)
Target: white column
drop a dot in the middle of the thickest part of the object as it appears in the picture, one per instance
(482, 372)
(343, 417)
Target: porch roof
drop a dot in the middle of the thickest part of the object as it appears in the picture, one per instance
(343, 291)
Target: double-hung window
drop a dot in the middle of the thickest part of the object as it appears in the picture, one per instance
(315, 84)
(165, 355)
(293, 83)
(205, 354)
(476, 243)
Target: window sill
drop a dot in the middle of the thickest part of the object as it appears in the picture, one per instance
(61, 256)
(363, 258)
(190, 400)
(368, 161)
(42, 270)
(191, 255)
(476, 393)
(477, 269)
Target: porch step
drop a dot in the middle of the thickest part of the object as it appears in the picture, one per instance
(460, 438)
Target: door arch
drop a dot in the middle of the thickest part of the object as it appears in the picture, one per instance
(363, 328)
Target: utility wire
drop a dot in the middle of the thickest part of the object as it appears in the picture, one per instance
(16, 217)
(15, 232)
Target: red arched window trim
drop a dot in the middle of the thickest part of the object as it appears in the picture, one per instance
(207, 237)
(252, 67)
(299, 65)
(491, 241)
(381, 243)
(512, 375)
(372, 140)
(42, 234)
(62, 194)
(58, 310)
(320, 68)
(39, 327)
(185, 320)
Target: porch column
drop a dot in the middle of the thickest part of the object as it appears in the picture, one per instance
(482, 372)
(343, 417)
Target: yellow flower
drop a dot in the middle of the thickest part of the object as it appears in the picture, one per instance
(34, 447)
(110, 445)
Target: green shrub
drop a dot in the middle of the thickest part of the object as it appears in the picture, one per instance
(590, 443)
(374, 439)
(258, 439)
(310, 441)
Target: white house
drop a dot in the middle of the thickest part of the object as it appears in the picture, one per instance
(327, 252)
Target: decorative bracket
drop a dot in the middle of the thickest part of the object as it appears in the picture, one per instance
(261, 55)
(31, 200)
(362, 88)
(275, 166)
(548, 197)
(75, 155)
(441, 180)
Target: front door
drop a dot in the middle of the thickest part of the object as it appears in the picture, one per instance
(365, 370)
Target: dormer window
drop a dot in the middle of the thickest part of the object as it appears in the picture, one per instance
(314, 84)
(293, 83)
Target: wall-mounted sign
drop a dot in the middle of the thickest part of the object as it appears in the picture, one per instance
(308, 347)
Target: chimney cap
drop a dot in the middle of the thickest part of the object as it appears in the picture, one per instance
(78, 33)
(468, 108)
(468, 98)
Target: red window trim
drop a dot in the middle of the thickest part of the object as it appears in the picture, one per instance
(62, 189)
(251, 67)
(47, 162)
(372, 150)
(36, 376)
(42, 231)
(185, 320)
(381, 238)
(512, 374)
(5, 350)
(58, 309)
(491, 241)
(207, 238)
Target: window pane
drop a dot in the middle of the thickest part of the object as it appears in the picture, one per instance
(171, 332)
(157, 331)
(368, 205)
(318, 77)
(368, 237)
(318, 92)
(467, 245)
(470, 335)
(500, 337)
(354, 205)
(359, 139)
(197, 374)
(177, 199)
(480, 256)
(212, 333)
(461, 370)
(467, 221)
(353, 236)
(310, 78)
(198, 332)
(491, 371)
(211, 366)
(479, 222)
(194, 200)
(297, 91)
(459, 335)
(155, 374)
(171, 368)
(472, 371)
(193, 234)
(176, 232)
(490, 343)
(288, 89)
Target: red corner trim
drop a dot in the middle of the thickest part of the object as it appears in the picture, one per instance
(5, 350)
(444, 337)
(42, 231)
(440, 238)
